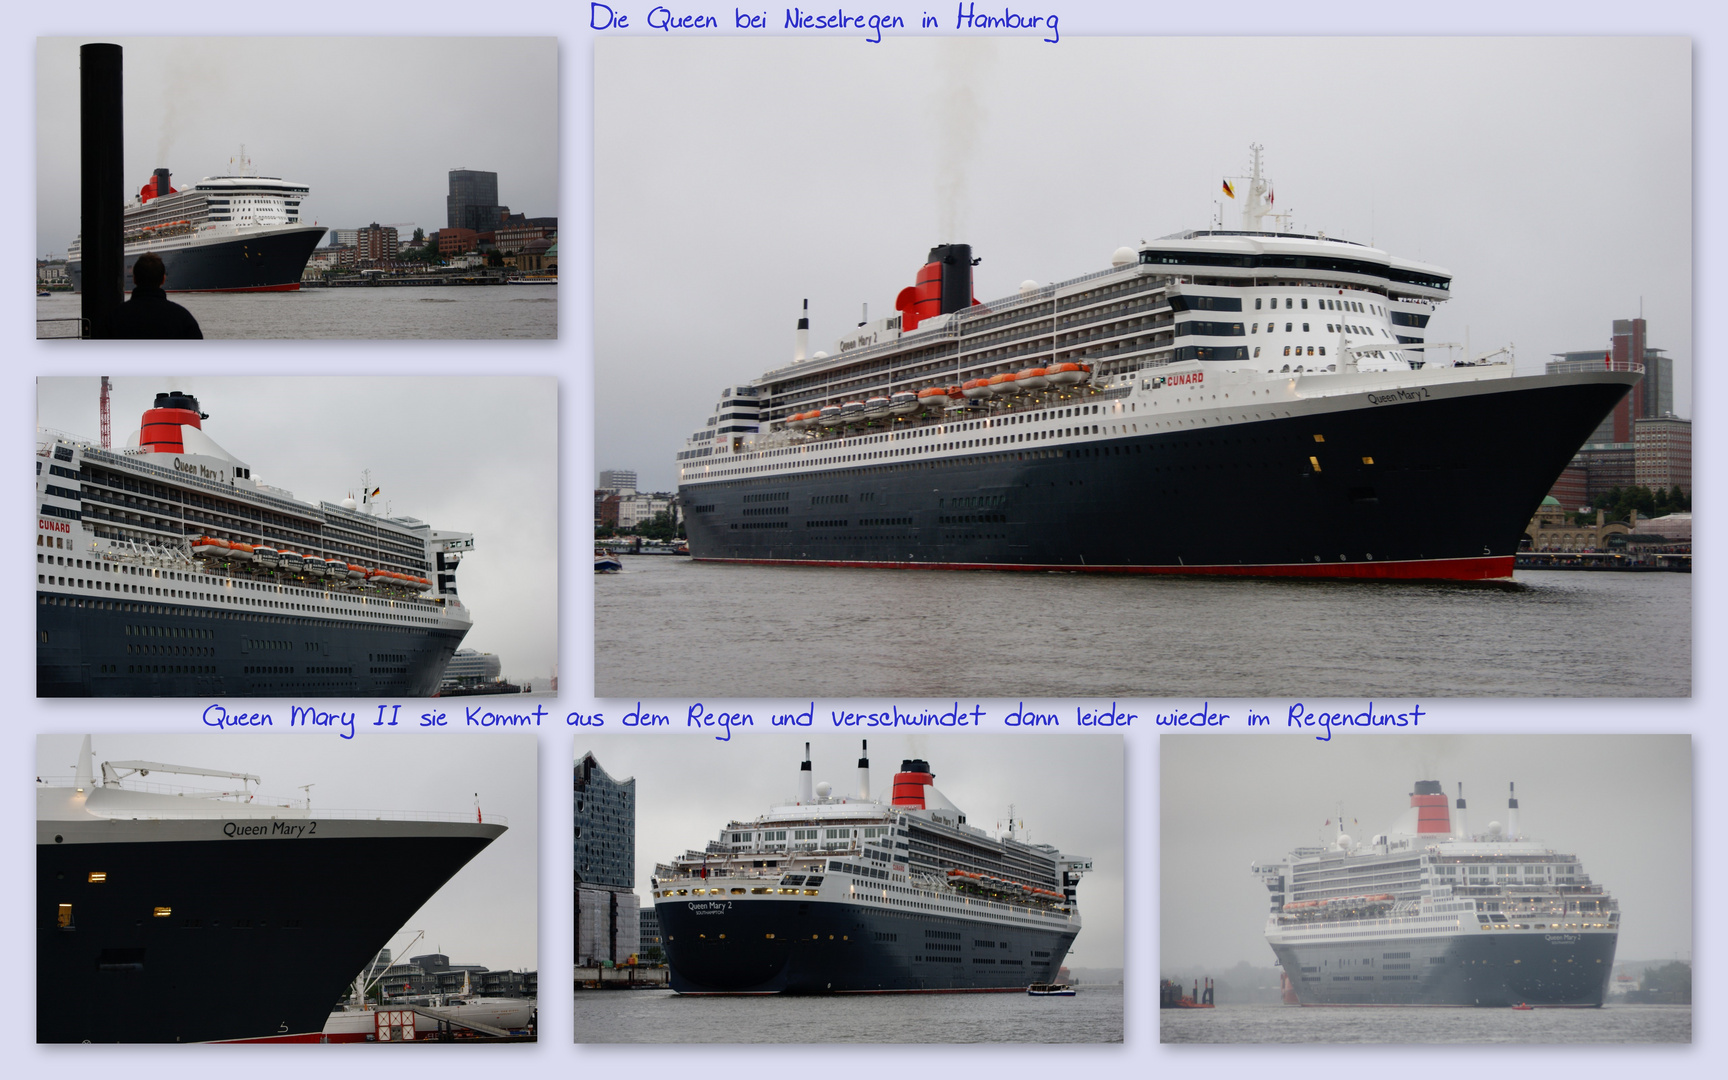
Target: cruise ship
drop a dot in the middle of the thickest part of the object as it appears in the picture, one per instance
(1143, 418)
(1433, 914)
(240, 233)
(166, 570)
(169, 914)
(850, 894)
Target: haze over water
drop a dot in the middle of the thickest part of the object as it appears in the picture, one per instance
(1287, 1024)
(668, 626)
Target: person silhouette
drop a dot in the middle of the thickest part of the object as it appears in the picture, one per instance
(149, 313)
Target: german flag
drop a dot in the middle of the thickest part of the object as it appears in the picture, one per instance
(1228, 190)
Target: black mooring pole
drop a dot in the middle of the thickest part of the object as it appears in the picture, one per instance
(101, 143)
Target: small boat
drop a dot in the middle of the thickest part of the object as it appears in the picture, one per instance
(904, 402)
(606, 563)
(1524, 1006)
(1050, 990)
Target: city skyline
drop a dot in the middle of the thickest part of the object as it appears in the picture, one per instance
(192, 102)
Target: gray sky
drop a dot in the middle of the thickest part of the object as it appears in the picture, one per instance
(1622, 804)
(429, 105)
(1558, 196)
(689, 787)
(486, 914)
(476, 455)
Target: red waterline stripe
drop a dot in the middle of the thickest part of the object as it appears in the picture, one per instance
(1488, 568)
(292, 286)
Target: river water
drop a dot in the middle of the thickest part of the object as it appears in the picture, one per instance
(671, 627)
(410, 312)
(1286, 1024)
(1094, 1015)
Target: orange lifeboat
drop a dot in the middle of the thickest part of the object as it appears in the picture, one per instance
(240, 552)
(206, 547)
(933, 397)
(974, 389)
(1033, 379)
(1067, 374)
(1002, 385)
(356, 573)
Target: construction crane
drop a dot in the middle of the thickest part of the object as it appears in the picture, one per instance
(107, 426)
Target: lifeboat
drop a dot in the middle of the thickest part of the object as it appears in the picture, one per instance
(290, 560)
(335, 568)
(975, 389)
(876, 408)
(1067, 374)
(313, 564)
(240, 552)
(956, 397)
(933, 397)
(356, 573)
(904, 402)
(851, 410)
(829, 416)
(266, 556)
(206, 547)
(1001, 385)
(1033, 379)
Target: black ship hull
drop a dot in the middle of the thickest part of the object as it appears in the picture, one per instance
(272, 262)
(775, 947)
(261, 936)
(1435, 483)
(88, 647)
(1560, 970)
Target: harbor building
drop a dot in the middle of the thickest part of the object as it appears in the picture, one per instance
(607, 909)
(650, 931)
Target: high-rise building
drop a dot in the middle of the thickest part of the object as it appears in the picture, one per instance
(1663, 452)
(376, 241)
(618, 481)
(1652, 397)
(607, 910)
(473, 200)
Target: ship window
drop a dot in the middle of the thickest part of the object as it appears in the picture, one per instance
(163, 912)
(1289, 327)
(1257, 303)
(64, 918)
(1304, 304)
(97, 877)
(1304, 328)
(1286, 353)
(1288, 303)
